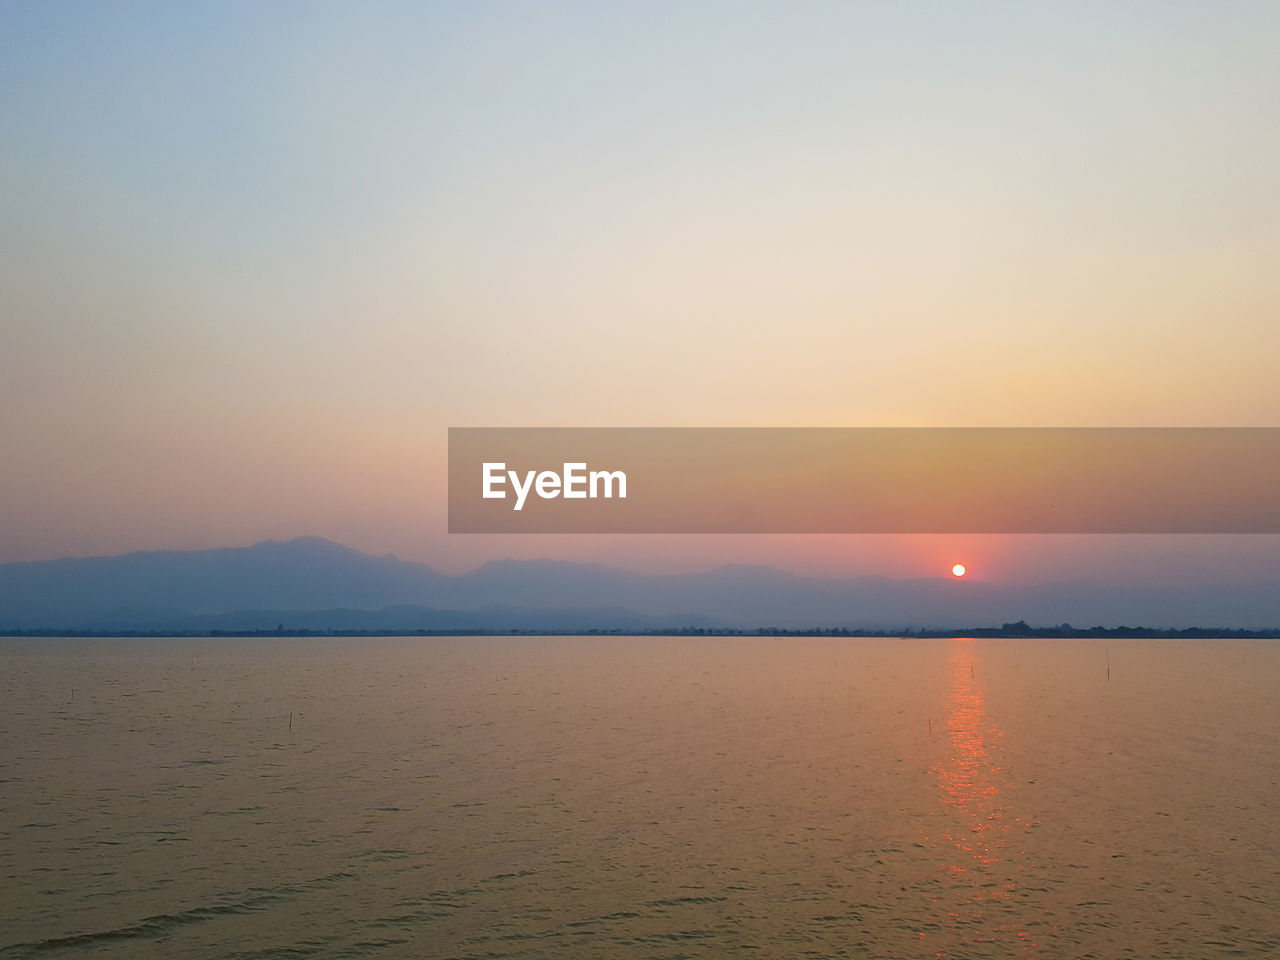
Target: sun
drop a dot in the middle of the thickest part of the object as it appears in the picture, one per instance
(958, 570)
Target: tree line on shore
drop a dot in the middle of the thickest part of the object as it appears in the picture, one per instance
(1019, 629)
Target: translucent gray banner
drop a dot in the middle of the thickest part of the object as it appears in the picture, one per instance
(864, 480)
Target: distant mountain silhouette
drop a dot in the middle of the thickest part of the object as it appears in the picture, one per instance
(310, 578)
(305, 574)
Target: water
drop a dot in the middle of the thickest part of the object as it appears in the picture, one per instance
(639, 798)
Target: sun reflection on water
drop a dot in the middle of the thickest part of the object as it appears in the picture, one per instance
(974, 839)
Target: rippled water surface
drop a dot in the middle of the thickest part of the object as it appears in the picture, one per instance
(639, 798)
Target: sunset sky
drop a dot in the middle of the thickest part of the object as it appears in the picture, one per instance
(256, 259)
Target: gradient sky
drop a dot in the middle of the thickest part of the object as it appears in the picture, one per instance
(255, 259)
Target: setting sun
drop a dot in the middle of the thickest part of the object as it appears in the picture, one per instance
(958, 570)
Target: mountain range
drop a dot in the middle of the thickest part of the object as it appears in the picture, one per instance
(313, 583)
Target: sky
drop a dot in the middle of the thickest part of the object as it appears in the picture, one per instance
(256, 259)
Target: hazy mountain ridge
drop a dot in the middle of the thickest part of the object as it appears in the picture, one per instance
(304, 580)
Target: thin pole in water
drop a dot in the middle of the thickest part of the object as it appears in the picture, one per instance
(290, 719)
(1108, 664)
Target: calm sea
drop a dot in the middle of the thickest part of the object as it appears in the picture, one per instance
(635, 797)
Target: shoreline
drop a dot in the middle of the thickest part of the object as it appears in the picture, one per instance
(1008, 631)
